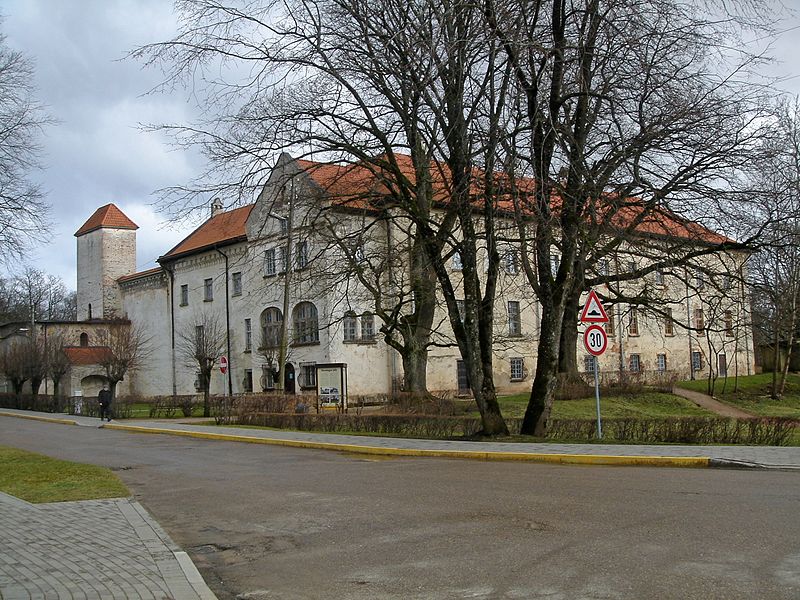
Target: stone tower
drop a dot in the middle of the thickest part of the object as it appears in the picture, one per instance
(106, 252)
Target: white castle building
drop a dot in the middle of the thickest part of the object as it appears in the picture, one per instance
(235, 270)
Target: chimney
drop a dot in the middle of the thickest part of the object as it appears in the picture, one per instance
(216, 207)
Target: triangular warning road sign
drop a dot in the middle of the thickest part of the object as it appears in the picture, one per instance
(593, 311)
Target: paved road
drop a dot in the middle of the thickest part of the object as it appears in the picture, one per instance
(266, 522)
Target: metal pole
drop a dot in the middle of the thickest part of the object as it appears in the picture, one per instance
(597, 396)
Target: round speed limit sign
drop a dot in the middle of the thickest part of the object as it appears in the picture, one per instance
(595, 340)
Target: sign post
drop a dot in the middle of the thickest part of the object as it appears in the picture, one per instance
(223, 368)
(596, 341)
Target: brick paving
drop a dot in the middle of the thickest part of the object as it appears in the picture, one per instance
(93, 549)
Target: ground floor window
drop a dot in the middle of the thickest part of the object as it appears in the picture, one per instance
(517, 369)
(463, 377)
(248, 380)
(661, 359)
(267, 378)
(308, 372)
(635, 363)
(697, 361)
(722, 365)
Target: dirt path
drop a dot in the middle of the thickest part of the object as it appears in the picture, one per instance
(709, 403)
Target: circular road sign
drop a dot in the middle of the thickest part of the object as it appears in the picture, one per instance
(223, 364)
(595, 340)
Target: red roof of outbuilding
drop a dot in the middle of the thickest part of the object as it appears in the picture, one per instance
(107, 216)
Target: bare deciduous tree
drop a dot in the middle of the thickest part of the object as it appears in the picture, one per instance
(126, 347)
(23, 211)
(203, 342)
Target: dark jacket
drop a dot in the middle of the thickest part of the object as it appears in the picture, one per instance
(104, 397)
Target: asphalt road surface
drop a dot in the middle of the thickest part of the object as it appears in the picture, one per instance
(267, 522)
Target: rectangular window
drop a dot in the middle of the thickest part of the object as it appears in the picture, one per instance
(633, 326)
(699, 322)
(350, 327)
(359, 254)
(463, 377)
(248, 335)
(510, 262)
(635, 363)
(309, 373)
(184, 295)
(669, 325)
(722, 365)
(269, 262)
(609, 326)
(267, 378)
(301, 255)
(283, 225)
(514, 320)
(208, 290)
(461, 309)
(603, 268)
(282, 260)
(697, 361)
(248, 380)
(237, 284)
(588, 363)
(517, 369)
(555, 261)
(631, 266)
(458, 265)
(199, 336)
(699, 282)
(367, 326)
(661, 359)
(659, 276)
(728, 323)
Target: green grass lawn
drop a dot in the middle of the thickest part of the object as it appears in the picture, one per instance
(752, 394)
(141, 410)
(38, 478)
(645, 404)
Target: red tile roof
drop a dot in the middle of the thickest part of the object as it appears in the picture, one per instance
(86, 355)
(107, 216)
(226, 227)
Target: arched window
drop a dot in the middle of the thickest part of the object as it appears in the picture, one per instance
(306, 325)
(84, 340)
(367, 326)
(271, 322)
(349, 324)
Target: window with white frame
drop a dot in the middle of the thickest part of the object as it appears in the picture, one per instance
(349, 326)
(699, 280)
(457, 263)
(282, 260)
(669, 325)
(308, 373)
(514, 318)
(271, 327)
(301, 255)
(659, 277)
(635, 363)
(248, 335)
(237, 284)
(661, 361)
(609, 325)
(267, 378)
(461, 309)
(697, 361)
(306, 325)
(367, 326)
(699, 321)
(555, 262)
(269, 262)
(633, 321)
(208, 290)
(511, 262)
(184, 295)
(517, 369)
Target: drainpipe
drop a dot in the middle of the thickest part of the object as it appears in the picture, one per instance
(689, 323)
(227, 324)
(171, 273)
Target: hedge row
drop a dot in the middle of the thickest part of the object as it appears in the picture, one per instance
(689, 430)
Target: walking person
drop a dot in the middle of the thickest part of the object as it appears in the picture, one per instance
(104, 400)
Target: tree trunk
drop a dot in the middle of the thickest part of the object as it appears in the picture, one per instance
(206, 385)
(36, 383)
(415, 371)
(568, 347)
(537, 414)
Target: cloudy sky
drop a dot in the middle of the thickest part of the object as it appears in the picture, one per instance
(97, 154)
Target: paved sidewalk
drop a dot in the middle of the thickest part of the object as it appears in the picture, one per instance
(606, 454)
(712, 404)
(93, 549)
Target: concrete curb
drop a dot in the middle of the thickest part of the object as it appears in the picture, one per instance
(575, 459)
(39, 418)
